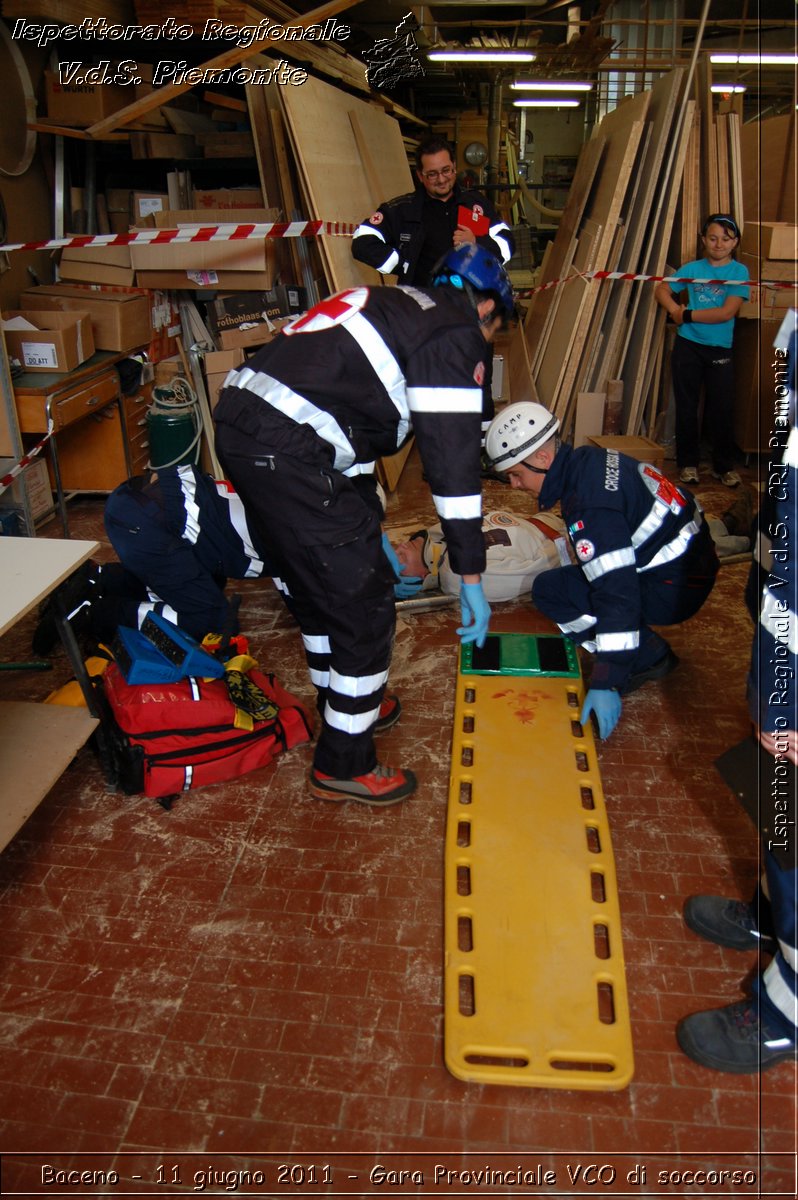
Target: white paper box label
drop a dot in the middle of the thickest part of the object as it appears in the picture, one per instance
(39, 354)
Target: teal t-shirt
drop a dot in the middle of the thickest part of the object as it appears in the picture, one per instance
(711, 295)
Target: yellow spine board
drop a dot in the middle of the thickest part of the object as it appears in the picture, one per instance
(535, 986)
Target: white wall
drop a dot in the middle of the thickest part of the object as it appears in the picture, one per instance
(555, 132)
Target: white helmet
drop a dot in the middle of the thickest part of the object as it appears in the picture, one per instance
(517, 432)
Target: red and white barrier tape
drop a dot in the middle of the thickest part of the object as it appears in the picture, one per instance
(235, 232)
(228, 232)
(25, 461)
(631, 277)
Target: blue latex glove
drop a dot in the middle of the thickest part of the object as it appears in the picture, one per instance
(475, 613)
(407, 587)
(390, 554)
(606, 705)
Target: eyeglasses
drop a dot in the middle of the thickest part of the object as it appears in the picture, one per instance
(446, 173)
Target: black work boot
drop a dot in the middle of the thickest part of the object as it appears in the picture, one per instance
(729, 923)
(735, 1039)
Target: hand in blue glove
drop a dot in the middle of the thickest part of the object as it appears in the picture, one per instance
(475, 613)
(606, 704)
(390, 554)
(407, 587)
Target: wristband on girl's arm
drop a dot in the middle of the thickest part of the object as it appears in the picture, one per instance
(687, 316)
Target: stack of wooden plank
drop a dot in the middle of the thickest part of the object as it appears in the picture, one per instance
(635, 206)
(350, 156)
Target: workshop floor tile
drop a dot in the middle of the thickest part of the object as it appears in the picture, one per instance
(256, 973)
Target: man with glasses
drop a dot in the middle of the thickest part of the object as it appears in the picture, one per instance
(408, 235)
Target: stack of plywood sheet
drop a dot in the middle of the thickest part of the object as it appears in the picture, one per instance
(350, 156)
(580, 334)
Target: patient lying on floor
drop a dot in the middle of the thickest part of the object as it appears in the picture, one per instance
(516, 549)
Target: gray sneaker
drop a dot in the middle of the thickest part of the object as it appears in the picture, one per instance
(382, 786)
(729, 923)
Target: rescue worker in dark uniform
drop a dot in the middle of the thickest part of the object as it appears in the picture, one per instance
(408, 235)
(179, 535)
(298, 430)
(643, 549)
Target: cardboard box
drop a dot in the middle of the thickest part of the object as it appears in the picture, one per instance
(218, 364)
(119, 321)
(165, 370)
(36, 481)
(60, 342)
(765, 302)
(146, 203)
(204, 281)
(247, 335)
(164, 312)
(242, 308)
(227, 198)
(118, 202)
(769, 268)
(641, 448)
(251, 255)
(97, 264)
(770, 239)
(82, 103)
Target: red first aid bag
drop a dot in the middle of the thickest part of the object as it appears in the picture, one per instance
(183, 735)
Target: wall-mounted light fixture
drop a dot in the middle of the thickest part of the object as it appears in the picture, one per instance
(728, 88)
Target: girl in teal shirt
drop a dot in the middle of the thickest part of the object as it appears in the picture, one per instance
(702, 353)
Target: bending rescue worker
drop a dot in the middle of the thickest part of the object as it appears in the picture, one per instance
(643, 549)
(298, 431)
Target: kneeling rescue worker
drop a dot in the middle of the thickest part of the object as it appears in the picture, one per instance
(643, 550)
(298, 430)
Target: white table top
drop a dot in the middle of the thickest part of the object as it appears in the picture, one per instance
(30, 568)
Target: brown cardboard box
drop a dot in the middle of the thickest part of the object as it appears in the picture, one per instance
(218, 363)
(769, 268)
(765, 302)
(97, 264)
(36, 481)
(205, 280)
(641, 448)
(770, 239)
(226, 198)
(255, 335)
(82, 103)
(118, 201)
(60, 342)
(250, 255)
(243, 308)
(119, 320)
(144, 203)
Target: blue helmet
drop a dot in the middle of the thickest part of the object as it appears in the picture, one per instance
(474, 267)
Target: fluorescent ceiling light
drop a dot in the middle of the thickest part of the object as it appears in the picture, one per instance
(726, 88)
(551, 86)
(754, 60)
(545, 103)
(481, 55)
